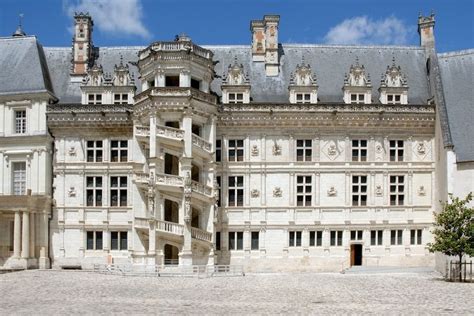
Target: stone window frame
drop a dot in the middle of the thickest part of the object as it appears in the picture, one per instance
(233, 240)
(295, 238)
(358, 149)
(397, 189)
(94, 190)
(254, 246)
(359, 190)
(237, 147)
(303, 97)
(95, 147)
(94, 98)
(120, 240)
(121, 149)
(218, 149)
(19, 185)
(235, 97)
(20, 120)
(357, 235)
(95, 241)
(237, 188)
(396, 150)
(416, 236)
(394, 100)
(336, 238)
(376, 237)
(356, 98)
(396, 237)
(218, 241)
(122, 98)
(316, 238)
(305, 150)
(119, 190)
(303, 196)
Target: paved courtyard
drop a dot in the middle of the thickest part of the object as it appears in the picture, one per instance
(68, 292)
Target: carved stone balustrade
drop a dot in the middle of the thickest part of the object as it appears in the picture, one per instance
(201, 189)
(202, 144)
(170, 227)
(200, 234)
(169, 133)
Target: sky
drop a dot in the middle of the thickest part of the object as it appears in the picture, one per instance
(219, 22)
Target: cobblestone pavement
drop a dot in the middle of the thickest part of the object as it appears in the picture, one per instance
(65, 292)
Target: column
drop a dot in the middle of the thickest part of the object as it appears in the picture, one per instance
(44, 252)
(17, 235)
(25, 247)
(152, 240)
(32, 236)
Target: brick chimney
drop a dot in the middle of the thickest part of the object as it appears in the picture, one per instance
(265, 43)
(426, 30)
(82, 48)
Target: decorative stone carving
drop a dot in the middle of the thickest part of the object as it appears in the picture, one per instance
(276, 149)
(303, 76)
(122, 75)
(71, 192)
(277, 192)
(379, 149)
(332, 150)
(332, 191)
(421, 191)
(254, 193)
(95, 76)
(421, 148)
(235, 75)
(393, 77)
(378, 190)
(357, 76)
(254, 150)
(72, 151)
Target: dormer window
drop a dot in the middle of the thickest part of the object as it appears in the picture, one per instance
(235, 85)
(236, 98)
(393, 86)
(357, 85)
(94, 98)
(120, 98)
(303, 88)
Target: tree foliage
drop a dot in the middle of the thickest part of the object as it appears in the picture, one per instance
(454, 228)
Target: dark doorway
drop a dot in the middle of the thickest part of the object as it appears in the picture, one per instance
(356, 255)
(171, 255)
(171, 164)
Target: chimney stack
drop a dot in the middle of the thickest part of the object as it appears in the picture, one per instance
(426, 30)
(82, 48)
(265, 43)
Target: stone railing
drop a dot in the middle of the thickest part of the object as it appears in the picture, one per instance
(169, 132)
(141, 177)
(206, 97)
(170, 227)
(201, 188)
(201, 234)
(186, 46)
(201, 143)
(142, 131)
(169, 179)
(141, 222)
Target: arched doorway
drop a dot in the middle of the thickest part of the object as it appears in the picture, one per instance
(171, 255)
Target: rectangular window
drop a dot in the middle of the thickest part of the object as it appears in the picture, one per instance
(255, 240)
(416, 236)
(236, 98)
(303, 191)
(236, 150)
(94, 150)
(19, 178)
(172, 81)
(94, 98)
(219, 195)
(218, 150)
(397, 190)
(196, 84)
(394, 99)
(236, 240)
(218, 240)
(118, 191)
(302, 98)
(315, 238)
(294, 239)
(336, 238)
(236, 191)
(356, 234)
(359, 150)
(20, 121)
(376, 237)
(94, 191)
(118, 150)
(304, 149)
(396, 237)
(396, 150)
(120, 98)
(94, 240)
(118, 240)
(359, 190)
(357, 98)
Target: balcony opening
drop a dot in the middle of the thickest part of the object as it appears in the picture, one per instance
(171, 255)
(173, 124)
(195, 173)
(151, 84)
(195, 218)
(171, 164)
(196, 129)
(172, 81)
(196, 84)
(171, 211)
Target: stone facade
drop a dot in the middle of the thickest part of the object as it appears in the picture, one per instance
(177, 154)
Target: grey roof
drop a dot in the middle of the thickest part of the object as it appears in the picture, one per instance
(457, 73)
(329, 63)
(23, 68)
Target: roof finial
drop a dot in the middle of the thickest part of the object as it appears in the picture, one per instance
(121, 60)
(19, 31)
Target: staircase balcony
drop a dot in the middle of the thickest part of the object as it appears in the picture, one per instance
(201, 191)
(170, 227)
(201, 146)
(201, 234)
(169, 134)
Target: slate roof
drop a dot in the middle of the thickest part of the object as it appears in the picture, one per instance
(457, 74)
(329, 63)
(23, 67)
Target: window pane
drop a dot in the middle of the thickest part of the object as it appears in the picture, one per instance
(123, 241)
(114, 240)
(90, 241)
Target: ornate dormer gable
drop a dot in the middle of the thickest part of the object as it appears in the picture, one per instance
(95, 76)
(357, 85)
(235, 85)
(393, 86)
(122, 75)
(303, 87)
